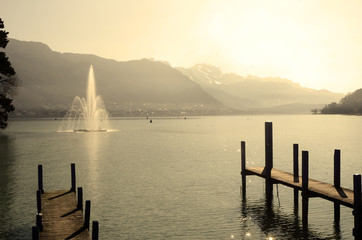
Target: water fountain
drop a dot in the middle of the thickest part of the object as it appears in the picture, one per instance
(86, 114)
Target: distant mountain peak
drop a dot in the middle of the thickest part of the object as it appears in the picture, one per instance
(253, 92)
(209, 71)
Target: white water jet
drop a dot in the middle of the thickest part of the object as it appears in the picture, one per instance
(86, 114)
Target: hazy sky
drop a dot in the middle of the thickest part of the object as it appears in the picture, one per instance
(315, 43)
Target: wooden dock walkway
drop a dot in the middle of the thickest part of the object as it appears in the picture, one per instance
(60, 213)
(309, 187)
(316, 188)
(61, 217)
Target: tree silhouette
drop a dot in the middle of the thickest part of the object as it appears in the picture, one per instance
(350, 104)
(8, 80)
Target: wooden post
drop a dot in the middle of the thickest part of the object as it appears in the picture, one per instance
(268, 157)
(39, 222)
(357, 212)
(337, 168)
(87, 214)
(80, 198)
(296, 162)
(337, 183)
(296, 176)
(243, 166)
(95, 230)
(35, 233)
(40, 178)
(73, 180)
(305, 172)
(305, 179)
(38, 201)
(268, 146)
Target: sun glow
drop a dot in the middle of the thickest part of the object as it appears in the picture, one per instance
(265, 43)
(273, 39)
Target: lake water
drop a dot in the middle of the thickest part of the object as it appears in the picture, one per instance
(179, 179)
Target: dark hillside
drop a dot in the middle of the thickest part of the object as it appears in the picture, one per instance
(50, 80)
(350, 104)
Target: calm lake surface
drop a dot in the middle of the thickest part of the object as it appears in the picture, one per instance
(179, 179)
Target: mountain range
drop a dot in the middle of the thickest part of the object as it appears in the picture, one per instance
(255, 94)
(50, 80)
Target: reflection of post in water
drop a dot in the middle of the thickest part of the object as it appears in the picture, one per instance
(243, 206)
(269, 211)
(296, 213)
(244, 216)
(243, 212)
(269, 220)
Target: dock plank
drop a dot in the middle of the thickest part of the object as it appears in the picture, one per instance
(61, 218)
(327, 191)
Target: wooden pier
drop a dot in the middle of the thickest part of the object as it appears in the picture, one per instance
(60, 213)
(308, 187)
(316, 188)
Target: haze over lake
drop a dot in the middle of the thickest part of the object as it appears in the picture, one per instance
(173, 88)
(176, 178)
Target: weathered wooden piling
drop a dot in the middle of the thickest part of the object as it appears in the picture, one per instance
(95, 230)
(243, 165)
(296, 162)
(337, 168)
(73, 180)
(296, 174)
(80, 198)
(305, 172)
(35, 233)
(268, 157)
(87, 214)
(337, 183)
(305, 183)
(357, 210)
(38, 201)
(40, 178)
(39, 221)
